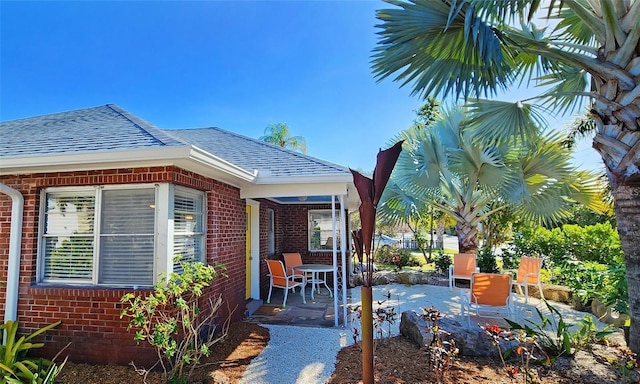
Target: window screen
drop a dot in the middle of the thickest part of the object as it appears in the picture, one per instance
(127, 237)
(69, 236)
(188, 226)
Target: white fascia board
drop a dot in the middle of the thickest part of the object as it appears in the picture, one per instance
(84, 161)
(200, 156)
(331, 178)
(186, 157)
(293, 190)
(296, 190)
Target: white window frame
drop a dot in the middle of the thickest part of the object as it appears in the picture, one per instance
(201, 234)
(326, 230)
(163, 230)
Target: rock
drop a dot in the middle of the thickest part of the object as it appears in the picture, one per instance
(404, 278)
(557, 293)
(471, 341)
(608, 315)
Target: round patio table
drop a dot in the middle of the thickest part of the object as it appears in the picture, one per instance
(316, 270)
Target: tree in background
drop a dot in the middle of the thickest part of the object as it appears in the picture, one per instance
(471, 176)
(497, 228)
(279, 134)
(475, 48)
(418, 215)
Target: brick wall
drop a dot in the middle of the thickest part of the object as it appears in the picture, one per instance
(226, 244)
(91, 316)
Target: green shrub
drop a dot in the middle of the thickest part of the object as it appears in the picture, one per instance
(584, 279)
(384, 255)
(599, 243)
(540, 242)
(614, 291)
(509, 259)
(406, 258)
(442, 262)
(586, 259)
(15, 364)
(487, 261)
(170, 319)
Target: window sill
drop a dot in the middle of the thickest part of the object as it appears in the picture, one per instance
(44, 289)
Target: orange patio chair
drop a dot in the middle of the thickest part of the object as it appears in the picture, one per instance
(464, 265)
(488, 296)
(279, 278)
(529, 274)
(291, 261)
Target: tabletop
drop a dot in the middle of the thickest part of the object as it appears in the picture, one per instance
(315, 267)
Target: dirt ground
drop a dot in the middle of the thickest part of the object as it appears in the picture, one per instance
(226, 363)
(396, 361)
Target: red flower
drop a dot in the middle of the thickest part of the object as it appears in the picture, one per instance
(493, 329)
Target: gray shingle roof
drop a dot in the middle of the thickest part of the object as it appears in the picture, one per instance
(110, 128)
(251, 154)
(101, 128)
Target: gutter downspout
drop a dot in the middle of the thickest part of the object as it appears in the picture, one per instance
(15, 243)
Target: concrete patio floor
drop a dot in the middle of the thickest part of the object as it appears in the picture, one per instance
(320, 313)
(317, 312)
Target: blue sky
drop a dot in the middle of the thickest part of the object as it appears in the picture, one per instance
(237, 65)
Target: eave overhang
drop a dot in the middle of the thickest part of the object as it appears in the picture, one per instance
(187, 157)
(252, 185)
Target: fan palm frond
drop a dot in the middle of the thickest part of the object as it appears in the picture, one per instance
(505, 121)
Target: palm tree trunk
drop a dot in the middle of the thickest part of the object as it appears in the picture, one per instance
(467, 238)
(627, 207)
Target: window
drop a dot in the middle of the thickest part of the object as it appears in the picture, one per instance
(271, 232)
(188, 236)
(126, 236)
(321, 229)
(109, 235)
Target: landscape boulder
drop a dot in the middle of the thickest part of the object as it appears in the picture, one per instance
(470, 340)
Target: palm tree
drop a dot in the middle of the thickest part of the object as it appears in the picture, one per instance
(475, 48)
(470, 177)
(278, 134)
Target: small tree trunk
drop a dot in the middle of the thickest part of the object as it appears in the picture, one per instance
(440, 232)
(627, 207)
(366, 319)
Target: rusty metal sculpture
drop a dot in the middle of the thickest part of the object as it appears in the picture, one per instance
(370, 192)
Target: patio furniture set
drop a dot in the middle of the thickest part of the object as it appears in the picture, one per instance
(293, 273)
(490, 294)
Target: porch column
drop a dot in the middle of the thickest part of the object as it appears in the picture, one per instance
(343, 250)
(343, 254)
(335, 260)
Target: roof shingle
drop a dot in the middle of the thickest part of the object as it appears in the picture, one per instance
(110, 128)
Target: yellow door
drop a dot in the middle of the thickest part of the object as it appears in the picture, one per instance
(248, 256)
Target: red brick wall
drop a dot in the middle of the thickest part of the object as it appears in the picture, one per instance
(91, 316)
(226, 244)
